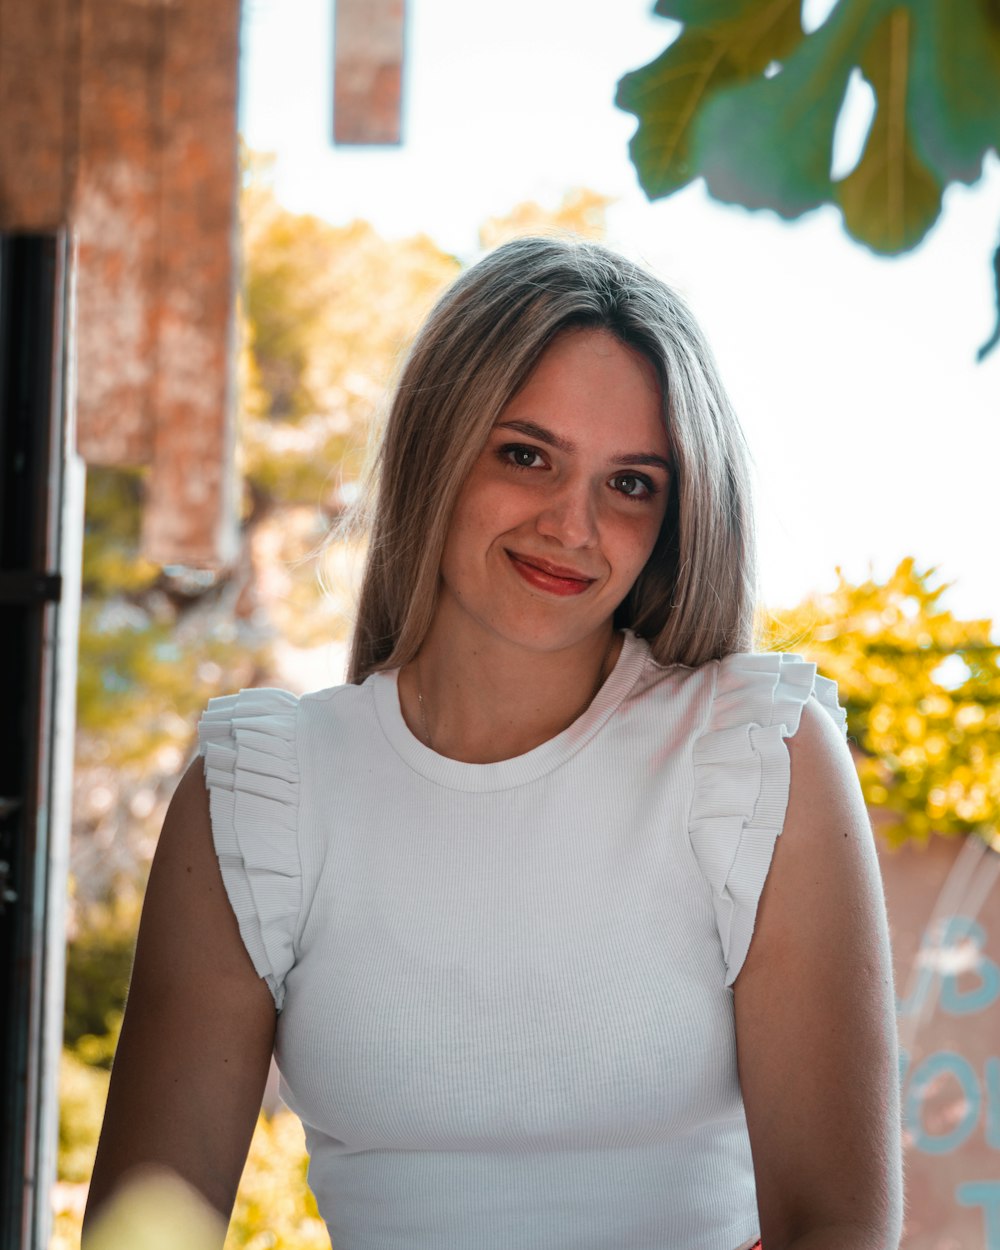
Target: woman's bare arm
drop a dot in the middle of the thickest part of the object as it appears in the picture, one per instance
(196, 1041)
(815, 1023)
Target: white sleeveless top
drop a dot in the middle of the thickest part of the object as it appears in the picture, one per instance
(506, 1019)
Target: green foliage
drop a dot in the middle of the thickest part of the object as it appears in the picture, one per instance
(891, 199)
(152, 650)
(98, 966)
(83, 1091)
(724, 44)
(581, 212)
(922, 692)
(275, 1209)
(112, 562)
(746, 99)
(141, 683)
(328, 311)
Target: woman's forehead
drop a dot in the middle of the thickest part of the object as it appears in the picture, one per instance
(589, 385)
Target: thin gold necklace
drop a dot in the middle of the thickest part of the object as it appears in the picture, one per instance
(423, 710)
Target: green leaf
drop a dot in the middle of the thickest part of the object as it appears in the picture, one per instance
(706, 106)
(745, 99)
(993, 341)
(708, 12)
(667, 94)
(954, 101)
(768, 143)
(891, 199)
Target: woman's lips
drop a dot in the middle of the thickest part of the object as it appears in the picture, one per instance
(551, 577)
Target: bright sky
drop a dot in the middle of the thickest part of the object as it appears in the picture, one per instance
(875, 434)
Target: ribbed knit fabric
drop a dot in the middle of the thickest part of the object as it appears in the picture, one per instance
(506, 1020)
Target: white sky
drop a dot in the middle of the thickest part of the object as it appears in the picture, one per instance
(874, 432)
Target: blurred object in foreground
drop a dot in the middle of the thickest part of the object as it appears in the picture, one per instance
(156, 1210)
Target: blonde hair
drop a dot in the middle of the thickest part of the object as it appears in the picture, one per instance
(694, 600)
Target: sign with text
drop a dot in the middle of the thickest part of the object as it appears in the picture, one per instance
(944, 913)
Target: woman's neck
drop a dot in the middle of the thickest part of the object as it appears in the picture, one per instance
(489, 701)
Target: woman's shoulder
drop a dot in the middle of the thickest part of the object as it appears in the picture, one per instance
(251, 743)
(742, 776)
(739, 690)
(771, 688)
(744, 688)
(270, 702)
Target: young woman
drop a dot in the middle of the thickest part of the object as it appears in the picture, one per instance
(511, 908)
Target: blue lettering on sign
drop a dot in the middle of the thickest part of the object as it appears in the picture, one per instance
(942, 1063)
(980, 989)
(956, 1002)
(991, 1070)
(985, 1194)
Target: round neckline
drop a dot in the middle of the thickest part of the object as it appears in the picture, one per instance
(519, 769)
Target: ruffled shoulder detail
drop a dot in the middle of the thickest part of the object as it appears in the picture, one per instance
(742, 774)
(252, 774)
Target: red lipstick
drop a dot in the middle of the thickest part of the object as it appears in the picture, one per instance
(544, 575)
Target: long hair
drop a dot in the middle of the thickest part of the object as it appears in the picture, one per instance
(694, 599)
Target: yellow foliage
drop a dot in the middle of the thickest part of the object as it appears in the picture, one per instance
(330, 311)
(152, 651)
(83, 1091)
(922, 692)
(580, 212)
(285, 549)
(274, 1208)
(113, 518)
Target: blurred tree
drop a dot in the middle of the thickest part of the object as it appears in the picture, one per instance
(746, 99)
(580, 212)
(274, 1205)
(83, 1091)
(155, 643)
(98, 965)
(329, 311)
(142, 663)
(922, 692)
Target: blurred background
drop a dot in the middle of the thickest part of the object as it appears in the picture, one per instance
(219, 228)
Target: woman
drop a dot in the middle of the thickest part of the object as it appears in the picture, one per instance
(492, 902)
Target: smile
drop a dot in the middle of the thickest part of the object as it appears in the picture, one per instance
(554, 578)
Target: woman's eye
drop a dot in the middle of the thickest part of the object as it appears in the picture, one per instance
(633, 485)
(521, 457)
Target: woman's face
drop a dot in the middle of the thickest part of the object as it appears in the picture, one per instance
(562, 509)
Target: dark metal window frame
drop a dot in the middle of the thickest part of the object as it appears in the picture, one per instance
(41, 501)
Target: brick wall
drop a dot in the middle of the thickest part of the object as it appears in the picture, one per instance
(119, 121)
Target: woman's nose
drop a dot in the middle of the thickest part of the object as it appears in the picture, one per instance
(569, 516)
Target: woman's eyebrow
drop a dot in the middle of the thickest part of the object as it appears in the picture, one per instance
(543, 435)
